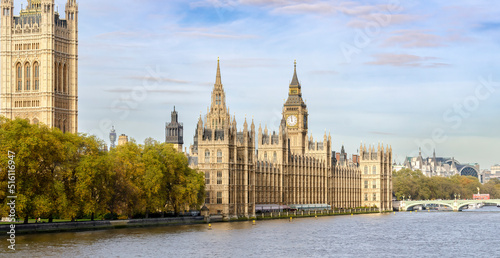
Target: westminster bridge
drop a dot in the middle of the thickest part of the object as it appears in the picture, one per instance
(456, 205)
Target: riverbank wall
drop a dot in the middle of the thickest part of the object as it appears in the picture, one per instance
(35, 228)
(100, 225)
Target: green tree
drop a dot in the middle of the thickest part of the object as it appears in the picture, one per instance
(94, 185)
(39, 154)
(127, 172)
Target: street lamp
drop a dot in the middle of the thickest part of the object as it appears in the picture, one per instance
(455, 197)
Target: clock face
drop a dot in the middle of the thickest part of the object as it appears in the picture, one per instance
(291, 120)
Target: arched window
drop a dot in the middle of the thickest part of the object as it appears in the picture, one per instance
(27, 76)
(56, 85)
(35, 121)
(374, 170)
(219, 156)
(36, 74)
(19, 76)
(65, 79)
(59, 78)
(275, 157)
(366, 170)
(207, 156)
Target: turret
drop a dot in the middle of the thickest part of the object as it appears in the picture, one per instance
(72, 15)
(48, 11)
(7, 7)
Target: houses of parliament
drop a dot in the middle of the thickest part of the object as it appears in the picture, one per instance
(246, 169)
(252, 169)
(39, 64)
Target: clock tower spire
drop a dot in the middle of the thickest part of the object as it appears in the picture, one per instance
(295, 114)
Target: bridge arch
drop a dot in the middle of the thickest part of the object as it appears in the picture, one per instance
(423, 203)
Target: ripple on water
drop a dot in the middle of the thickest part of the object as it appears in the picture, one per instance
(422, 234)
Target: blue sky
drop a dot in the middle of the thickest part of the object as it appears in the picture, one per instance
(397, 72)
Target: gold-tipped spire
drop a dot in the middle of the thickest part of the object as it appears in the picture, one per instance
(218, 77)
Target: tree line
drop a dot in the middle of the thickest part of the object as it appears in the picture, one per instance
(71, 176)
(420, 187)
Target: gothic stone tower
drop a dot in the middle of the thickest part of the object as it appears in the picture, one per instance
(39, 64)
(174, 132)
(376, 176)
(295, 115)
(226, 156)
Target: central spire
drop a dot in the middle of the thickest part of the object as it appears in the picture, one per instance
(218, 114)
(218, 77)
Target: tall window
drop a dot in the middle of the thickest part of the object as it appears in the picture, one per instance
(219, 156)
(65, 79)
(59, 78)
(19, 77)
(265, 155)
(207, 197)
(374, 184)
(219, 177)
(36, 74)
(374, 170)
(275, 157)
(56, 81)
(366, 197)
(27, 75)
(374, 196)
(207, 178)
(366, 184)
(207, 156)
(219, 197)
(366, 170)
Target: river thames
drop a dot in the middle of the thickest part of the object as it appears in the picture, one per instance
(422, 234)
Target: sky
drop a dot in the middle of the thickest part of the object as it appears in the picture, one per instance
(411, 74)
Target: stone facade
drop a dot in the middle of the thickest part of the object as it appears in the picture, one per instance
(495, 171)
(247, 168)
(39, 64)
(122, 139)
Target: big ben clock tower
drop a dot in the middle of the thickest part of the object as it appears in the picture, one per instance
(295, 115)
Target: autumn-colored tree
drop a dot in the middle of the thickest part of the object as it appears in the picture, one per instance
(413, 183)
(38, 156)
(69, 175)
(154, 176)
(127, 172)
(94, 185)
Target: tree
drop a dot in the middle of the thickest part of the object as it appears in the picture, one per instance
(94, 184)
(407, 182)
(127, 171)
(39, 154)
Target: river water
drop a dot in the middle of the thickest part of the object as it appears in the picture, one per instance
(422, 234)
